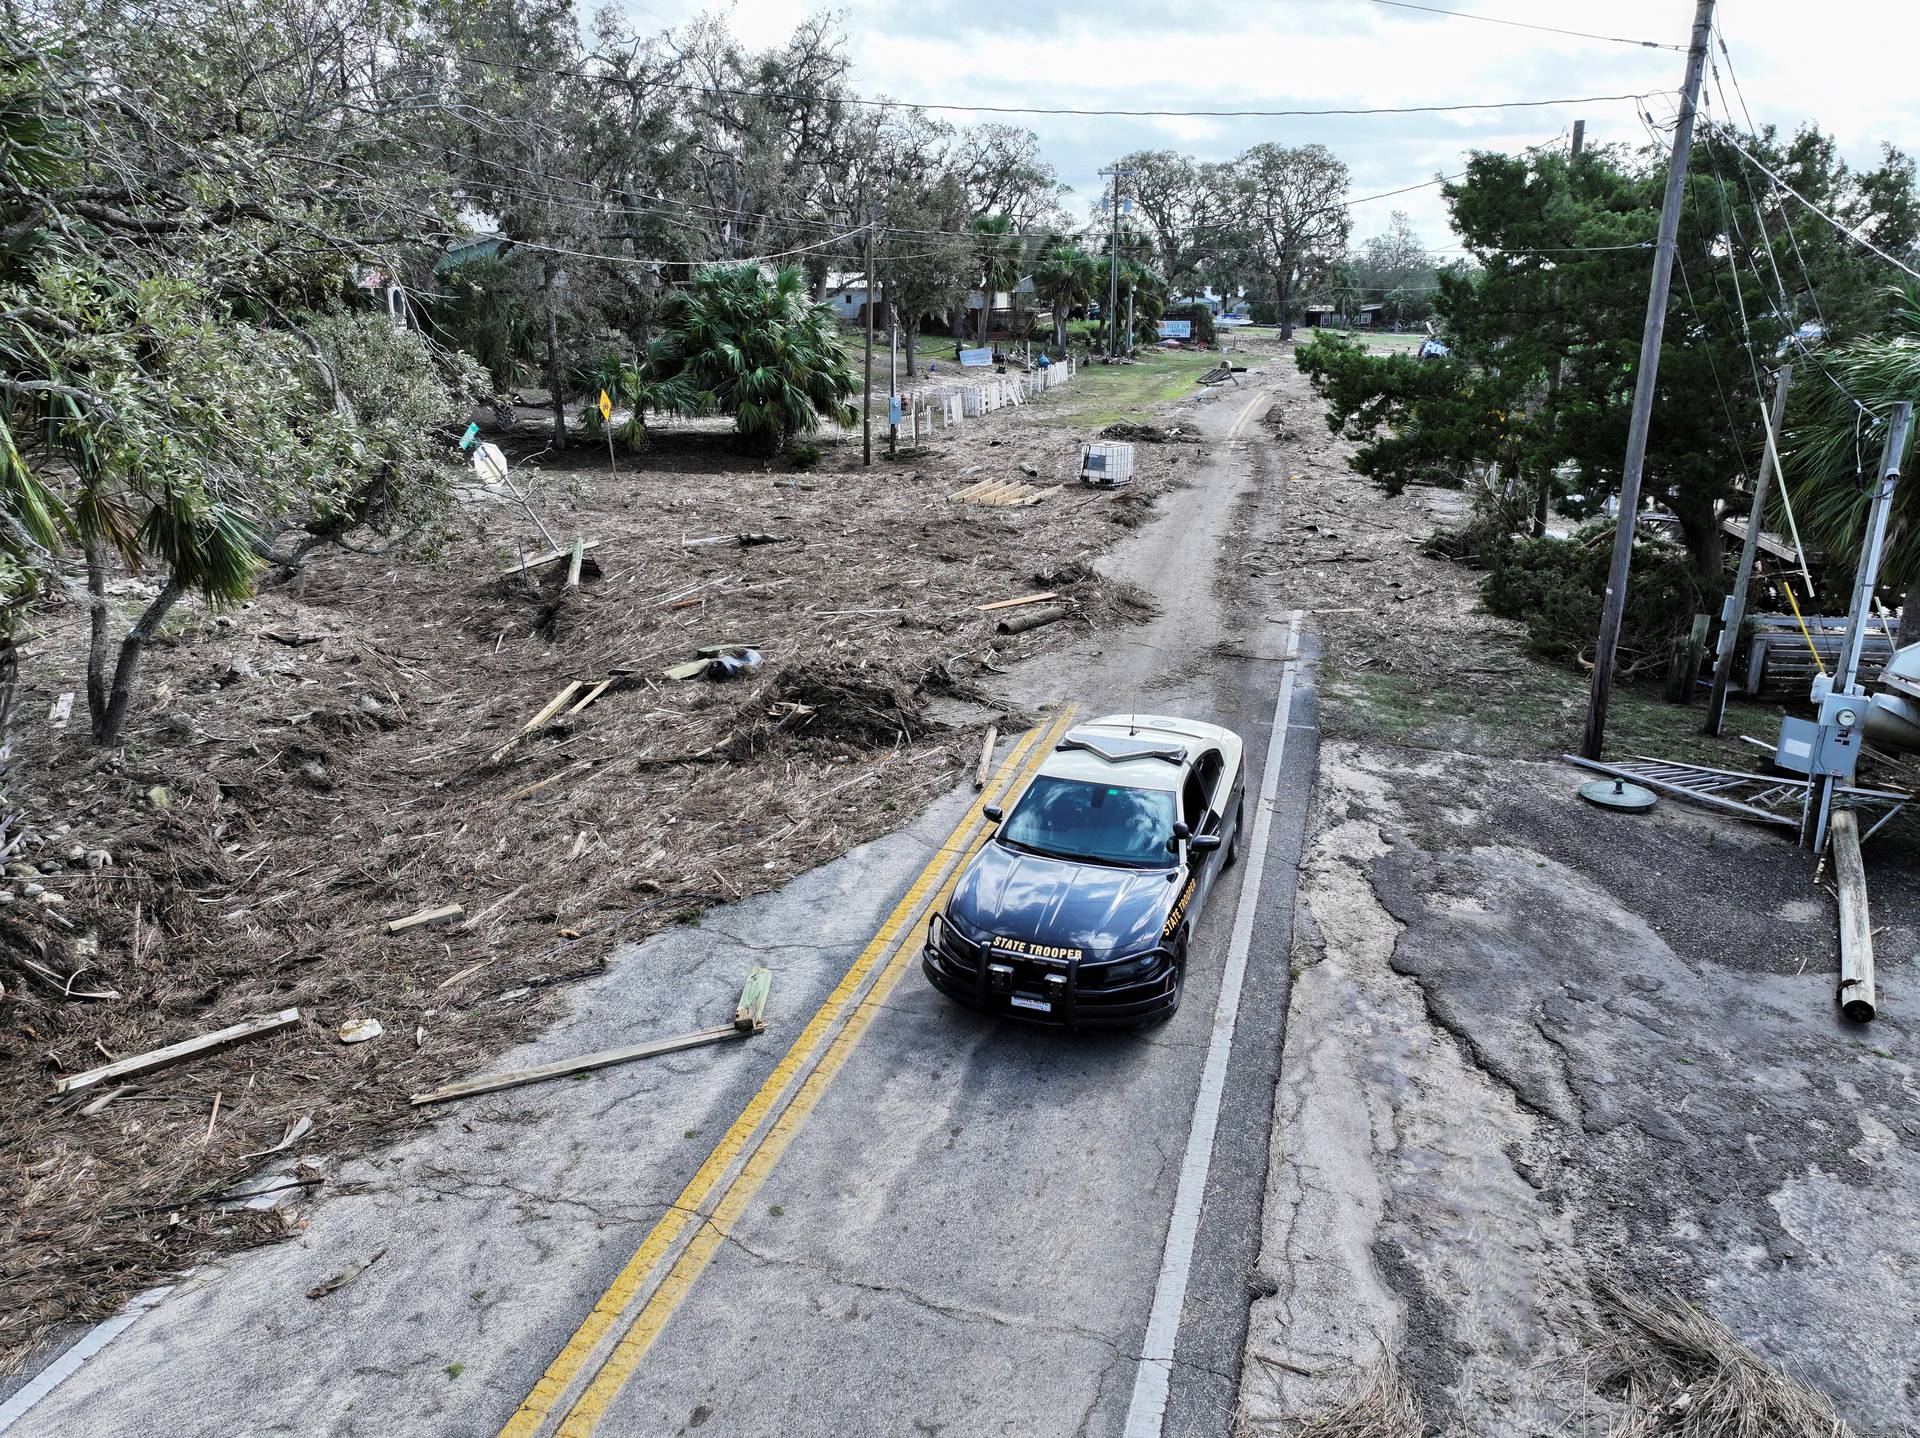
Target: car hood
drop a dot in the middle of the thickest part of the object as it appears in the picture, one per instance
(1100, 910)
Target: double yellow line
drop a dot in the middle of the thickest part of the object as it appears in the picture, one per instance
(712, 1202)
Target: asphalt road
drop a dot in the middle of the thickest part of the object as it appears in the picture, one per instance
(898, 1218)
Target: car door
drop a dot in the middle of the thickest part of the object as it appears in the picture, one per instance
(1200, 811)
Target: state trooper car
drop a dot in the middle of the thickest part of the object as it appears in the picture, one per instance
(1077, 911)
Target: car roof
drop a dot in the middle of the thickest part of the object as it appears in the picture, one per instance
(1142, 751)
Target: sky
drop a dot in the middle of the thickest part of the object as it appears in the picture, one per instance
(1847, 64)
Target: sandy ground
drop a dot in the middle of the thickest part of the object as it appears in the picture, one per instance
(330, 756)
(1534, 1047)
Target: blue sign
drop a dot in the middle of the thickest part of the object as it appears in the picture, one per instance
(976, 357)
(893, 409)
(1176, 329)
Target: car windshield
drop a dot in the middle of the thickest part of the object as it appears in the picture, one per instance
(1100, 823)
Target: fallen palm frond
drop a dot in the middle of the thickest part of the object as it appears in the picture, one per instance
(1681, 1374)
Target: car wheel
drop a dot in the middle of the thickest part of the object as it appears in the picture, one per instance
(1233, 844)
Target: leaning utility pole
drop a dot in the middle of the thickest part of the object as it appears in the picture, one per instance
(1734, 614)
(1642, 416)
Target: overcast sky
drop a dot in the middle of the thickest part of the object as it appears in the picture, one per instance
(1847, 64)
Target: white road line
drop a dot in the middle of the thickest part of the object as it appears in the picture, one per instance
(76, 1357)
(1147, 1411)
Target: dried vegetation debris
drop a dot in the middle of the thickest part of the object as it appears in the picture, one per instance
(307, 768)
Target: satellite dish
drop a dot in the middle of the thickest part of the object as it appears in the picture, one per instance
(490, 464)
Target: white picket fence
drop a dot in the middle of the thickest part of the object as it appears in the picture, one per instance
(922, 412)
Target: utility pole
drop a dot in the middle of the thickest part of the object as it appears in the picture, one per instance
(893, 381)
(866, 370)
(1543, 500)
(1734, 613)
(1113, 270)
(1594, 740)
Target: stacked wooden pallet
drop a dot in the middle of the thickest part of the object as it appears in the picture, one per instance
(1011, 493)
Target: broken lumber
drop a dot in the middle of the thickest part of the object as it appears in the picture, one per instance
(62, 710)
(1032, 619)
(692, 669)
(592, 694)
(1035, 496)
(179, 1053)
(425, 917)
(573, 563)
(541, 561)
(749, 1015)
(1016, 603)
(1856, 993)
(985, 766)
(553, 707)
(586, 1063)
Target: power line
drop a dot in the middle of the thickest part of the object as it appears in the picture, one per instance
(1840, 225)
(1528, 25)
(734, 92)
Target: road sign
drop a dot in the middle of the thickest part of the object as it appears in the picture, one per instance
(606, 406)
(467, 439)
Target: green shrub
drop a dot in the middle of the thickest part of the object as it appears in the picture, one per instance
(1555, 586)
(803, 456)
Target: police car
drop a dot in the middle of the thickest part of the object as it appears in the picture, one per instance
(1078, 910)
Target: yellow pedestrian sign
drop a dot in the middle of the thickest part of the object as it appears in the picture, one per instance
(606, 406)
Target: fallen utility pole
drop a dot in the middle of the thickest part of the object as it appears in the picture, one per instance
(1735, 613)
(1594, 740)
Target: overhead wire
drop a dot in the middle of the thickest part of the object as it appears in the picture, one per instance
(879, 102)
(1530, 25)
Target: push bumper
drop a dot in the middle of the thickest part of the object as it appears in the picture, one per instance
(1066, 993)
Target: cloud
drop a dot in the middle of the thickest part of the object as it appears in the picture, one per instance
(1848, 67)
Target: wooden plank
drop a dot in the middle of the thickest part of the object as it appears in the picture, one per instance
(985, 766)
(1856, 994)
(179, 1053)
(424, 918)
(573, 563)
(586, 1063)
(540, 561)
(749, 1015)
(974, 488)
(592, 694)
(553, 707)
(1040, 494)
(692, 669)
(1016, 603)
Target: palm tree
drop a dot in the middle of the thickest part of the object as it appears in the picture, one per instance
(997, 252)
(1831, 449)
(1065, 276)
(761, 350)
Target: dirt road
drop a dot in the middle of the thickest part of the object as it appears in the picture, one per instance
(884, 1216)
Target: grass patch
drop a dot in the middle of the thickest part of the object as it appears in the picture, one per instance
(1380, 1405)
(1534, 711)
(1108, 394)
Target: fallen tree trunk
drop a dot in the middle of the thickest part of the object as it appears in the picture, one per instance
(1032, 619)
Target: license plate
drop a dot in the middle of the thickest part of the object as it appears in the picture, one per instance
(1039, 1006)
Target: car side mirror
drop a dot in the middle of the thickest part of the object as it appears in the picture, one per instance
(994, 812)
(1204, 843)
(1181, 834)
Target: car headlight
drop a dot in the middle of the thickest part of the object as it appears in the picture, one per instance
(1126, 971)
